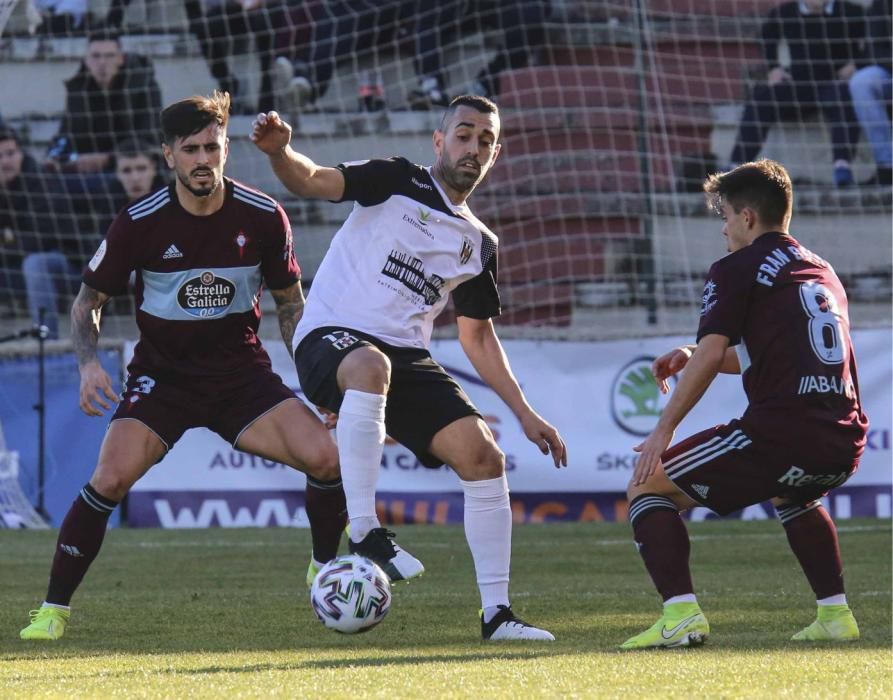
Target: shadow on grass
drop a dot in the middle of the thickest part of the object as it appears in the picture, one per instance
(373, 661)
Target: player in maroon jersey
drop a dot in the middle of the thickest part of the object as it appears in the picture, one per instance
(202, 249)
(776, 313)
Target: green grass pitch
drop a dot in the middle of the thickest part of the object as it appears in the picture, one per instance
(224, 613)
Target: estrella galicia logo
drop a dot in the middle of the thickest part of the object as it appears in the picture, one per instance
(206, 296)
(467, 250)
(636, 402)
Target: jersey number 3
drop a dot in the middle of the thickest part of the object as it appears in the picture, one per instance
(825, 329)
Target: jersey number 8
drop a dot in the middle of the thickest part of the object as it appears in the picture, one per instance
(825, 330)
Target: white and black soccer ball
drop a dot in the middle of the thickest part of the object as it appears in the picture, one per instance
(351, 594)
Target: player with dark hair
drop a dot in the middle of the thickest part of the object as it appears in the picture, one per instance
(361, 349)
(202, 249)
(776, 313)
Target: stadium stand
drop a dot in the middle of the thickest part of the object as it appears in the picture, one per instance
(607, 136)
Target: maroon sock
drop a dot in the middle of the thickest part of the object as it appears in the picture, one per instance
(813, 539)
(662, 540)
(327, 512)
(80, 538)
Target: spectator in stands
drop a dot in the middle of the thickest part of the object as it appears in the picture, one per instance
(823, 40)
(114, 96)
(325, 32)
(97, 198)
(62, 17)
(220, 24)
(522, 26)
(870, 88)
(35, 220)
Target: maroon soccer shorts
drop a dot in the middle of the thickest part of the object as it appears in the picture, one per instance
(726, 470)
(227, 405)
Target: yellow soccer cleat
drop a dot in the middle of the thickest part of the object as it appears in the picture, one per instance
(834, 623)
(681, 625)
(312, 571)
(47, 623)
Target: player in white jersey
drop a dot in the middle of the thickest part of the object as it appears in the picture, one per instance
(361, 346)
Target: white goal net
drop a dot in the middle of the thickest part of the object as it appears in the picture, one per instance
(613, 112)
(16, 510)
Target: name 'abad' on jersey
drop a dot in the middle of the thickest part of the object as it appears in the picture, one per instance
(198, 278)
(785, 311)
(403, 250)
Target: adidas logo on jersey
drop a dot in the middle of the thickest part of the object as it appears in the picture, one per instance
(701, 490)
(172, 252)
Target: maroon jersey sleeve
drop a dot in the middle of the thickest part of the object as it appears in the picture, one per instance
(724, 303)
(279, 265)
(109, 269)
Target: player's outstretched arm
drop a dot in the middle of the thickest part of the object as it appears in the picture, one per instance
(700, 371)
(673, 362)
(271, 134)
(481, 345)
(289, 308)
(669, 364)
(96, 385)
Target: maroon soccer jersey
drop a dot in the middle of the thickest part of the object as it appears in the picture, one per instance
(785, 311)
(198, 278)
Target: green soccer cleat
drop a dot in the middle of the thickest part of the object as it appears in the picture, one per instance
(681, 625)
(312, 571)
(46, 623)
(834, 623)
(314, 567)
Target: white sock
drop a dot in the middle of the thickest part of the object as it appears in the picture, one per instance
(488, 529)
(55, 605)
(361, 434)
(684, 598)
(490, 612)
(839, 599)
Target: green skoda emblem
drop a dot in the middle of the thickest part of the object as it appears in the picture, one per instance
(636, 402)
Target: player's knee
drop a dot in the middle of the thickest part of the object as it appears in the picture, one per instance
(365, 369)
(111, 485)
(651, 485)
(488, 462)
(320, 460)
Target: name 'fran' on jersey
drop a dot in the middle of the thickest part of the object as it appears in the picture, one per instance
(403, 250)
(198, 278)
(785, 311)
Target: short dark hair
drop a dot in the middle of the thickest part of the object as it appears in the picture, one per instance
(481, 104)
(136, 147)
(133, 147)
(763, 185)
(7, 133)
(189, 116)
(104, 35)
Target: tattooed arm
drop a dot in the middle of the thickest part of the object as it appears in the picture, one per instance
(290, 308)
(96, 385)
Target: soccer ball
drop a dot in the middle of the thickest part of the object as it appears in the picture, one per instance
(351, 594)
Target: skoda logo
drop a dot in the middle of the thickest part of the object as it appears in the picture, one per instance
(636, 402)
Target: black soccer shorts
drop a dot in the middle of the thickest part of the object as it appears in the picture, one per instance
(422, 398)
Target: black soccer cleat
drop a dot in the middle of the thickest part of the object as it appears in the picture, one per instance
(379, 546)
(505, 625)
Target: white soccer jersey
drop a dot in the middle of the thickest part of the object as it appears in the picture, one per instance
(394, 262)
